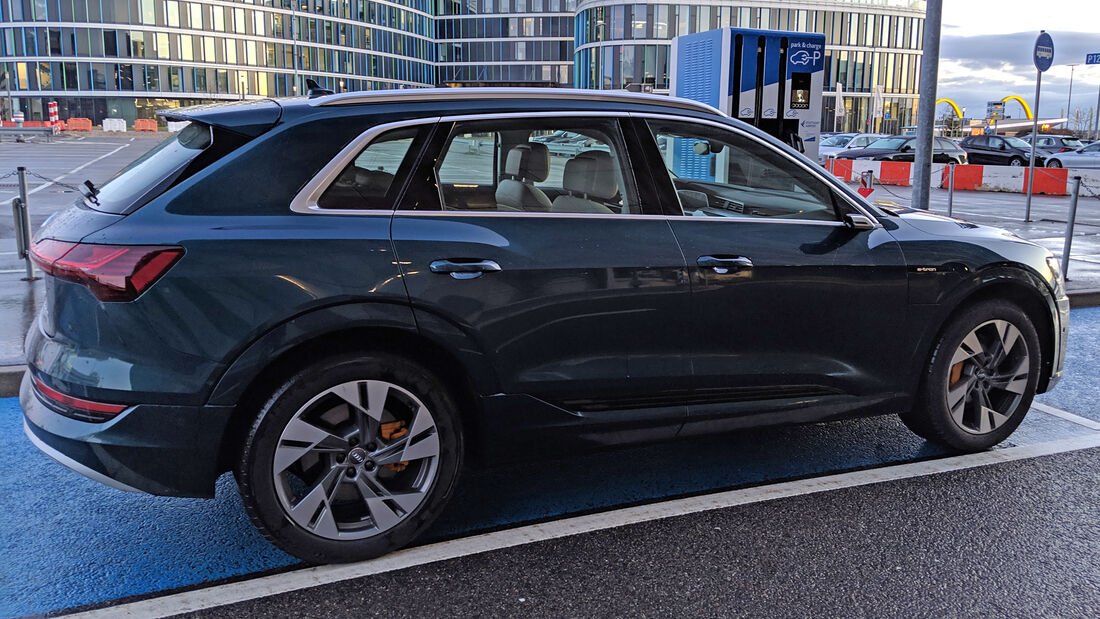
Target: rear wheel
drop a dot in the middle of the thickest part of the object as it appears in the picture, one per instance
(351, 458)
(1015, 162)
(980, 380)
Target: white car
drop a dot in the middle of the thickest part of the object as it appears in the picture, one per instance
(1084, 157)
(844, 141)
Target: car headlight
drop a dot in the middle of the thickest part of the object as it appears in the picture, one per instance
(1058, 280)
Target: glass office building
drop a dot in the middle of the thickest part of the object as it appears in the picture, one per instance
(870, 44)
(127, 58)
(505, 42)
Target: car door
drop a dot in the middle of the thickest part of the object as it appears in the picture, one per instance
(977, 150)
(552, 267)
(791, 306)
(1086, 157)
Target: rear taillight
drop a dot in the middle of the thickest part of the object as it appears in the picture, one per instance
(78, 408)
(111, 272)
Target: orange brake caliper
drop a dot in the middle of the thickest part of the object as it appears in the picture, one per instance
(393, 430)
(956, 374)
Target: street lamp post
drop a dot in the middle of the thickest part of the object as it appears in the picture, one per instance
(244, 83)
(1069, 99)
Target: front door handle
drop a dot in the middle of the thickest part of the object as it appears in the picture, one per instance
(463, 268)
(724, 264)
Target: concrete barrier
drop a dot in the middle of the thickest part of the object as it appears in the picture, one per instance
(114, 124)
(1048, 181)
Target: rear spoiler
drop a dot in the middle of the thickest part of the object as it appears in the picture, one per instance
(250, 118)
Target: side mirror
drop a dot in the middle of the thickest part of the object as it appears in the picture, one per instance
(859, 222)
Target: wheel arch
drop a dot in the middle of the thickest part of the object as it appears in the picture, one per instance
(274, 357)
(1021, 286)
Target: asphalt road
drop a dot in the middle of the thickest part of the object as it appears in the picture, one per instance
(1012, 540)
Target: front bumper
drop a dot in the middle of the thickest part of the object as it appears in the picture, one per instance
(1061, 337)
(164, 450)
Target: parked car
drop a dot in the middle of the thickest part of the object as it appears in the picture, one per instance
(999, 150)
(1050, 144)
(902, 148)
(1084, 157)
(340, 301)
(845, 141)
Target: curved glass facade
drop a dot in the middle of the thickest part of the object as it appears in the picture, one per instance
(505, 42)
(869, 44)
(125, 58)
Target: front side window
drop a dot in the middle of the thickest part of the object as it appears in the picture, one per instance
(723, 174)
(552, 165)
(367, 182)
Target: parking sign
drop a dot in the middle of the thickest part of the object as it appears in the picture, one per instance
(1092, 58)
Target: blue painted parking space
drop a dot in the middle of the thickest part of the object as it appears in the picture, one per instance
(68, 541)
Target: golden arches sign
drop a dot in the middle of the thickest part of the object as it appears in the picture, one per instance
(1027, 110)
(958, 112)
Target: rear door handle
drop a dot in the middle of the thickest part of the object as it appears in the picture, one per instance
(724, 264)
(464, 269)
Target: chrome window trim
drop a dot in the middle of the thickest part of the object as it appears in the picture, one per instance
(536, 94)
(306, 199)
(815, 173)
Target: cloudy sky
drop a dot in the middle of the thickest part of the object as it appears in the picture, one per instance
(986, 53)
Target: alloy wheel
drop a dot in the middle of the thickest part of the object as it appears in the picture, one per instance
(988, 377)
(1016, 163)
(356, 460)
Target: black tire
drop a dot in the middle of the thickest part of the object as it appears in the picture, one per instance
(1054, 163)
(255, 468)
(1016, 162)
(931, 417)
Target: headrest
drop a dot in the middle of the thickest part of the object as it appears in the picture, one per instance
(591, 173)
(529, 161)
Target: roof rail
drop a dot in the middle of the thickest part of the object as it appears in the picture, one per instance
(488, 92)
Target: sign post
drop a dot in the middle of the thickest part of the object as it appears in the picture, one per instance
(1043, 56)
(1095, 59)
(840, 110)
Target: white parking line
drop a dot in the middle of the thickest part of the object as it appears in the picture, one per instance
(311, 577)
(1068, 416)
(77, 169)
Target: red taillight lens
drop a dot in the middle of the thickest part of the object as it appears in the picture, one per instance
(86, 410)
(112, 272)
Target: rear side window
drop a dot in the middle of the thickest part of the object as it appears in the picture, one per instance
(167, 164)
(368, 182)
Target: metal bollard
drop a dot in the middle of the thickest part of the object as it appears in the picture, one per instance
(22, 217)
(1069, 225)
(950, 188)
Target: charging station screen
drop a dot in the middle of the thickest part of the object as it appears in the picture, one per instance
(800, 91)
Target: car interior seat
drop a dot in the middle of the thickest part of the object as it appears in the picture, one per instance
(588, 177)
(526, 164)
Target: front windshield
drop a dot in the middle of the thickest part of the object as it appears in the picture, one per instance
(837, 140)
(888, 143)
(1018, 143)
(164, 162)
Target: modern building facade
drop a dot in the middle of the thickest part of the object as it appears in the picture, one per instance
(869, 44)
(127, 58)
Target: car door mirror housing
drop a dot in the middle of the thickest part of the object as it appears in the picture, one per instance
(857, 221)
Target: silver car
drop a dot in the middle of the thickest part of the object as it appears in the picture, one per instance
(1084, 157)
(836, 144)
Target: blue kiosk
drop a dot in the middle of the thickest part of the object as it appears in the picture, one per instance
(768, 78)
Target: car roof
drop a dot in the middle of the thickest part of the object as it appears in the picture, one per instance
(497, 93)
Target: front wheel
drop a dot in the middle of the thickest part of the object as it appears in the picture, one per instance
(1054, 163)
(1016, 162)
(351, 458)
(981, 378)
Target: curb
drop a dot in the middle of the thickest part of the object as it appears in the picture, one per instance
(12, 375)
(1084, 298)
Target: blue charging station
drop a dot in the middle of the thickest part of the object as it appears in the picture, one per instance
(771, 79)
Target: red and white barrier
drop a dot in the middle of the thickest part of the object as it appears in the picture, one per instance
(1049, 181)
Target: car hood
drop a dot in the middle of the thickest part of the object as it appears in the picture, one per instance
(941, 225)
(866, 152)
